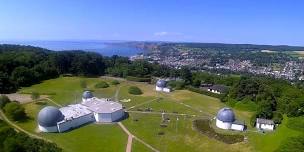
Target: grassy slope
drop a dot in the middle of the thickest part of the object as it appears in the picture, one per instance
(111, 138)
(271, 141)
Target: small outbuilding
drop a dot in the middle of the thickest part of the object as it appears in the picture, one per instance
(264, 124)
(218, 89)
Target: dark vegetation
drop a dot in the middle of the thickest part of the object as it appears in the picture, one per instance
(12, 141)
(134, 90)
(115, 82)
(12, 109)
(203, 126)
(101, 84)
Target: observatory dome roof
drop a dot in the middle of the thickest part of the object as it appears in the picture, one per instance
(225, 115)
(49, 116)
(161, 83)
(87, 94)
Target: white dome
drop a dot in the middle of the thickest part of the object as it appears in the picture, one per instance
(226, 115)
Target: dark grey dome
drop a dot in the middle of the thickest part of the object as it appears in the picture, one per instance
(226, 115)
(49, 116)
(161, 83)
(87, 94)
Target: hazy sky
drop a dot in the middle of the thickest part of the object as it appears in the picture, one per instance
(228, 21)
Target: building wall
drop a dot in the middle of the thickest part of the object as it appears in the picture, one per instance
(118, 115)
(237, 127)
(103, 117)
(158, 88)
(264, 126)
(48, 129)
(167, 90)
(74, 123)
(223, 125)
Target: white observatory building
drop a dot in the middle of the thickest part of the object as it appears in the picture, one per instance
(161, 86)
(92, 109)
(225, 119)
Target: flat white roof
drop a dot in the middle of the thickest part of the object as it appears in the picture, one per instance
(102, 105)
(74, 111)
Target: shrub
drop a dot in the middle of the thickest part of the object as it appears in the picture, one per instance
(4, 100)
(115, 82)
(35, 95)
(101, 84)
(253, 120)
(14, 111)
(203, 126)
(134, 90)
(277, 117)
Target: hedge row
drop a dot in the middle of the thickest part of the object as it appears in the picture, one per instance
(198, 90)
(138, 79)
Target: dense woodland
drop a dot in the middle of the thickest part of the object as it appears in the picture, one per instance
(12, 141)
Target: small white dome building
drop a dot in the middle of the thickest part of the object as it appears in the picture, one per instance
(225, 119)
(48, 118)
(161, 85)
(87, 95)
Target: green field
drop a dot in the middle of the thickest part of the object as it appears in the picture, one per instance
(177, 134)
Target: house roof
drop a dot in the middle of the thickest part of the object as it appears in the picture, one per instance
(264, 121)
(220, 88)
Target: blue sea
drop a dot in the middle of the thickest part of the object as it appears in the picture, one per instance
(101, 47)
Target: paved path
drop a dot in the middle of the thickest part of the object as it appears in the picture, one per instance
(130, 139)
(160, 113)
(59, 105)
(142, 103)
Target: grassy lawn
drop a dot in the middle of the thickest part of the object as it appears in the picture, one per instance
(91, 137)
(271, 140)
(139, 147)
(178, 135)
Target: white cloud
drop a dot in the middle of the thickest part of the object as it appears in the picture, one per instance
(168, 34)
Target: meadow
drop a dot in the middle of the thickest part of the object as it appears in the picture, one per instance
(174, 134)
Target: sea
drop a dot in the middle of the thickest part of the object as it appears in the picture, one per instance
(105, 48)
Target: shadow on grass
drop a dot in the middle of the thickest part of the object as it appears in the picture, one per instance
(203, 126)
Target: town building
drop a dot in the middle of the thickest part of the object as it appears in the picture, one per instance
(264, 124)
(92, 109)
(218, 89)
(225, 119)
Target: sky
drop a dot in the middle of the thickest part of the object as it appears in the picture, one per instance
(279, 22)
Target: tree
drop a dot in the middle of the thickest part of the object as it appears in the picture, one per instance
(196, 83)
(12, 145)
(135, 90)
(186, 74)
(24, 76)
(35, 95)
(4, 100)
(14, 111)
(277, 117)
